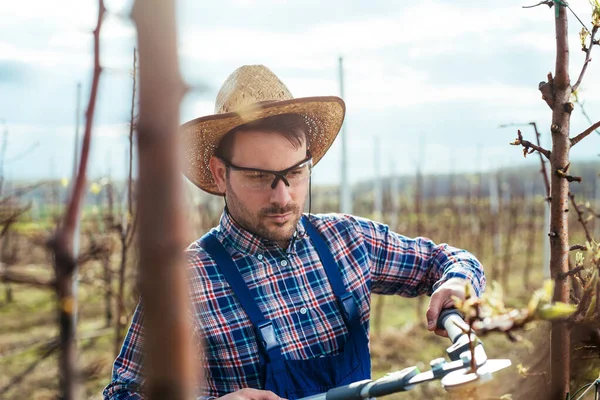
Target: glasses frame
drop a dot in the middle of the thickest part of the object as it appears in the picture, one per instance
(279, 175)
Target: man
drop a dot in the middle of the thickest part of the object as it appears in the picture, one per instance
(281, 299)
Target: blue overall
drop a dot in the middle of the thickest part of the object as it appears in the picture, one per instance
(294, 379)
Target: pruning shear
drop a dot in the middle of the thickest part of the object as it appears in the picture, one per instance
(468, 366)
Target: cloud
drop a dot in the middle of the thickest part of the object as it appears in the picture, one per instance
(435, 26)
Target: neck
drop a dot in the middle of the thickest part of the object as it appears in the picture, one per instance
(283, 245)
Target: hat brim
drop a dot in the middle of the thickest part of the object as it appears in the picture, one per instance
(201, 136)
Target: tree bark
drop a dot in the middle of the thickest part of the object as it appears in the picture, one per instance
(169, 350)
(559, 191)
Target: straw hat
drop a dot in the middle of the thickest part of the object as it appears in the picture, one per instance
(250, 93)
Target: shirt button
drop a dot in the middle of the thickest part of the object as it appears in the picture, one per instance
(260, 256)
(283, 263)
(303, 310)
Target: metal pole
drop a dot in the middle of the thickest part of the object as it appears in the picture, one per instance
(346, 193)
(76, 148)
(378, 201)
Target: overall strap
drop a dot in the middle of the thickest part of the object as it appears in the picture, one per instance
(263, 327)
(346, 302)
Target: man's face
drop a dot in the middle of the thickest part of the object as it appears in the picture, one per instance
(271, 213)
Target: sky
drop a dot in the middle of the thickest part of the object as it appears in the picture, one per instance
(427, 83)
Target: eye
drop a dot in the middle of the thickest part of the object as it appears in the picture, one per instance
(256, 175)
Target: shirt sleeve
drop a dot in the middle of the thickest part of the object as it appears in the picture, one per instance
(414, 266)
(127, 380)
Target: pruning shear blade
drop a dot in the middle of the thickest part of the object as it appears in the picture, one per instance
(462, 378)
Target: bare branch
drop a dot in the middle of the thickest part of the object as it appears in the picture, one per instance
(542, 161)
(588, 236)
(543, 170)
(578, 247)
(549, 3)
(20, 192)
(25, 152)
(63, 246)
(529, 147)
(7, 275)
(587, 59)
(563, 173)
(585, 114)
(583, 134)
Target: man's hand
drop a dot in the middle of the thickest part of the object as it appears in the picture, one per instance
(251, 394)
(442, 298)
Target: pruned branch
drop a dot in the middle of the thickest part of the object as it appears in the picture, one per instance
(588, 236)
(585, 114)
(20, 192)
(562, 172)
(63, 245)
(571, 272)
(7, 221)
(547, 89)
(578, 247)
(588, 52)
(7, 275)
(583, 134)
(542, 161)
(529, 147)
(549, 3)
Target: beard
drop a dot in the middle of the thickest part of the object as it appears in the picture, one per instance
(259, 223)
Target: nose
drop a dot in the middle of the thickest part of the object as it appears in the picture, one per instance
(280, 196)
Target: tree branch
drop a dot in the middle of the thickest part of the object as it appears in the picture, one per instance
(588, 236)
(585, 114)
(63, 243)
(563, 173)
(578, 247)
(571, 272)
(587, 59)
(542, 161)
(578, 138)
(549, 3)
(527, 145)
(7, 275)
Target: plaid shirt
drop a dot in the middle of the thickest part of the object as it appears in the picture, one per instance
(292, 290)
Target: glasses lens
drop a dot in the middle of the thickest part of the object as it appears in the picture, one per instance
(299, 174)
(263, 180)
(256, 179)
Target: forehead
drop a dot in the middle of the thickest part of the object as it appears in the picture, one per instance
(268, 150)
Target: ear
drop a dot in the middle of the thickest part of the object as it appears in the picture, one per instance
(218, 171)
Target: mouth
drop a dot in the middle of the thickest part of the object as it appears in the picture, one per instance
(279, 218)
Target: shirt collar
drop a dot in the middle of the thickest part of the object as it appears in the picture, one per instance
(250, 243)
